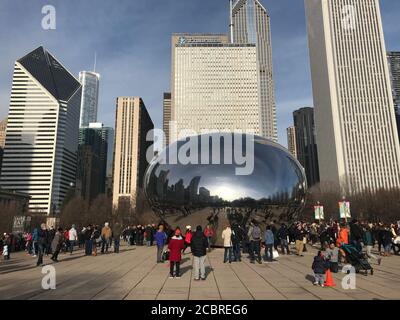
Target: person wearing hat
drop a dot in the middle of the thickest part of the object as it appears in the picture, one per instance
(175, 246)
(188, 237)
(106, 235)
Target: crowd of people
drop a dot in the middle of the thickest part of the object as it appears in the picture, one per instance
(237, 240)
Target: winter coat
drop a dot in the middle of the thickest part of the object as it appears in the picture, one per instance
(227, 237)
(160, 238)
(57, 241)
(199, 244)
(116, 231)
(269, 237)
(368, 238)
(283, 233)
(43, 237)
(209, 232)
(106, 233)
(343, 237)
(188, 236)
(73, 236)
(319, 265)
(35, 235)
(356, 232)
(176, 245)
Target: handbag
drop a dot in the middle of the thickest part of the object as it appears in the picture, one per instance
(275, 254)
(165, 256)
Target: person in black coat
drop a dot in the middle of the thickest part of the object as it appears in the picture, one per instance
(198, 246)
(319, 267)
(43, 238)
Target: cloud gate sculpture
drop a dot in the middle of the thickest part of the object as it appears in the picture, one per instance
(222, 179)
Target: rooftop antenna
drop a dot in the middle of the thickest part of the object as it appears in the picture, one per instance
(95, 61)
(231, 19)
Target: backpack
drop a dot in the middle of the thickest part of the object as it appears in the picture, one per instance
(256, 233)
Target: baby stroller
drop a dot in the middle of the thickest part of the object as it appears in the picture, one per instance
(357, 259)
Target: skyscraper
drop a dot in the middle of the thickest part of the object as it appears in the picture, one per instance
(93, 160)
(306, 145)
(90, 96)
(291, 140)
(215, 85)
(42, 131)
(166, 116)
(132, 124)
(250, 23)
(3, 128)
(354, 112)
(394, 69)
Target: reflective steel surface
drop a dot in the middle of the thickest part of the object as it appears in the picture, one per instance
(201, 194)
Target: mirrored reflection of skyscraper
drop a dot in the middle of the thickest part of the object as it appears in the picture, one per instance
(90, 96)
(354, 112)
(251, 24)
(42, 131)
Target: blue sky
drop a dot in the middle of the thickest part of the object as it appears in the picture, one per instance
(132, 41)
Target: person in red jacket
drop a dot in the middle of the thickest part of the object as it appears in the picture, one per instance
(188, 237)
(176, 245)
(209, 233)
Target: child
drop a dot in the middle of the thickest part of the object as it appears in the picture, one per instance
(319, 268)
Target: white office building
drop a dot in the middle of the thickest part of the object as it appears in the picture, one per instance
(215, 85)
(354, 111)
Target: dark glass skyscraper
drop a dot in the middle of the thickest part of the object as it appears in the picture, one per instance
(306, 143)
(394, 70)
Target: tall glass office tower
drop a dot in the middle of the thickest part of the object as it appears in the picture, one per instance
(40, 154)
(250, 23)
(90, 96)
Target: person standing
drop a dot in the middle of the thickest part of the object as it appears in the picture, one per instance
(73, 238)
(227, 237)
(369, 243)
(56, 244)
(188, 237)
(42, 243)
(6, 246)
(116, 232)
(106, 235)
(269, 239)
(161, 238)
(96, 238)
(209, 233)
(254, 235)
(236, 240)
(176, 245)
(283, 234)
(332, 257)
(87, 237)
(319, 267)
(35, 236)
(299, 236)
(198, 245)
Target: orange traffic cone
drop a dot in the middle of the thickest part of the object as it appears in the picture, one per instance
(329, 280)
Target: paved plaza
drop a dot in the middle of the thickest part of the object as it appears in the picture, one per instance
(133, 274)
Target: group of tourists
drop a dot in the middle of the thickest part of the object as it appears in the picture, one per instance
(237, 240)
